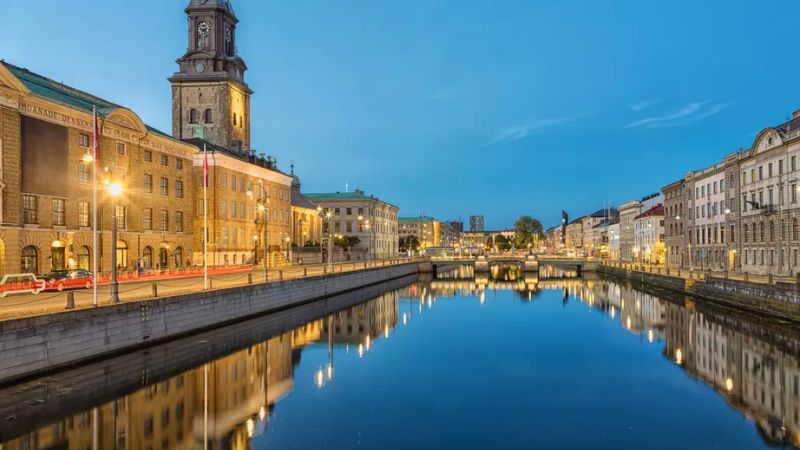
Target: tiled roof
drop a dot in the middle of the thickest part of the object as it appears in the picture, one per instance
(657, 210)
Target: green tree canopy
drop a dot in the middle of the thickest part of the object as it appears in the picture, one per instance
(409, 243)
(346, 241)
(527, 230)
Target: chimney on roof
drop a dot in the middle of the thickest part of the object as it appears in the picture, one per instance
(359, 192)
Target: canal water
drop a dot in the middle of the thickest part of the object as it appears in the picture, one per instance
(499, 362)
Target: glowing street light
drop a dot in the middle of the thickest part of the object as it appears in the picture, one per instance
(114, 190)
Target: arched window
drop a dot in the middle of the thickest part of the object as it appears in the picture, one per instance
(208, 117)
(193, 116)
(795, 230)
(234, 119)
(760, 228)
(178, 257)
(744, 233)
(771, 231)
(122, 255)
(147, 258)
(83, 258)
(29, 261)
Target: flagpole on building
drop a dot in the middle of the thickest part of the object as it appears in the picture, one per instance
(205, 216)
(95, 157)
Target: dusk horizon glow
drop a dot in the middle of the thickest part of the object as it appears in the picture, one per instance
(452, 109)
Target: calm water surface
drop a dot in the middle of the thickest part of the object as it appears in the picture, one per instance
(456, 362)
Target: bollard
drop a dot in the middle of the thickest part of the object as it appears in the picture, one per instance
(280, 274)
(250, 278)
(305, 271)
(155, 290)
(70, 300)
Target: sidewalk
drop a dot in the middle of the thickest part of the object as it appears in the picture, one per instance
(161, 285)
(701, 275)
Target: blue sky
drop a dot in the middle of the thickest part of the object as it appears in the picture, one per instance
(454, 108)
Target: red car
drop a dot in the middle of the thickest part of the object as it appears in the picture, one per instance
(58, 280)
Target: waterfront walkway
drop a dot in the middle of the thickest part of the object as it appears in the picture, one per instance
(701, 275)
(147, 288)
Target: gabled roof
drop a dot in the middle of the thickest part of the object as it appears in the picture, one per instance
(334, 196)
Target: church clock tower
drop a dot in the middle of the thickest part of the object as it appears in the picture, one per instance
(209, 95)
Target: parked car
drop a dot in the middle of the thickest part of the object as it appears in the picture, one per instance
(58, 280)
(20, 283)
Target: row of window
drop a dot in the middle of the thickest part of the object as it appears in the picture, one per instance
(163, 222)
(770, 198)
(240, 184)
(709, 189)
(709, 210)
(147, 185)
(121, 148)
(360, 211)
(30, 208)
(757, 174)
(208, 116)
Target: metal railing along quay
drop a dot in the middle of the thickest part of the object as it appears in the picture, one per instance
(701, 275)
(146, 288)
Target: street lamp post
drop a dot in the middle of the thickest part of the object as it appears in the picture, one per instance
(114, 190)
(261, 203)
(326, 216)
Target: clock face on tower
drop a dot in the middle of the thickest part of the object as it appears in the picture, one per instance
(203, 29)
(200, 68)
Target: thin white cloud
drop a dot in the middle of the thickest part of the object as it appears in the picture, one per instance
(517, 132)
(642, 105)
(687, 115)
(444, 93)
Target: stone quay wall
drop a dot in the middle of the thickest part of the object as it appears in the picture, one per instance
(780, 301)
(37, 345)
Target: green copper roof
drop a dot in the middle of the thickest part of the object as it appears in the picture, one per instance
(417, 219)
(332, 196)
(61, 93)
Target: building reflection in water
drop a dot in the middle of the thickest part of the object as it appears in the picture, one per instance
(220, 405)
(225, 403)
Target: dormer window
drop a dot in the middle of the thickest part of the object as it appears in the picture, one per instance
(769, 140)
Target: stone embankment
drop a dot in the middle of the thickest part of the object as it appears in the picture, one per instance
(35, 345)
(776, 300)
